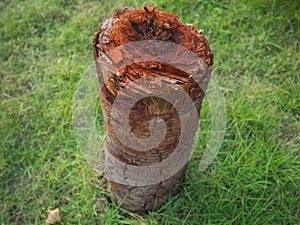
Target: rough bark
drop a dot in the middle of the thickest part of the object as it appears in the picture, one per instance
(130, 25)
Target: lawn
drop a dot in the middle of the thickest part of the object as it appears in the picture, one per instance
(45, 47)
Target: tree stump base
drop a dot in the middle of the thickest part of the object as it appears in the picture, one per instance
(130, 25)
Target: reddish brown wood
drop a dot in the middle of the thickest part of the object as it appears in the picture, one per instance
(130, 25)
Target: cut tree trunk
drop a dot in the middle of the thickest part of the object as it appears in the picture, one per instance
(129, 25)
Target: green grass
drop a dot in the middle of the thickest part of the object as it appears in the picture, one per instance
(45, 48)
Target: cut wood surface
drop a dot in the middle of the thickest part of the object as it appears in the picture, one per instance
(130, 25)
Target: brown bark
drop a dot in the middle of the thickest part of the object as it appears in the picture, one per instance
(131, 25)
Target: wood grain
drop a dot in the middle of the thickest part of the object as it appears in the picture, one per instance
(129, 25)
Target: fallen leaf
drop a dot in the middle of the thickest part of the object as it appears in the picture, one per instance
(53, 216)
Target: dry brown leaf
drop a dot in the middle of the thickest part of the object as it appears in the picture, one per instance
(53, 216)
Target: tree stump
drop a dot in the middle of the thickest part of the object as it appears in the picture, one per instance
(127, 26)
